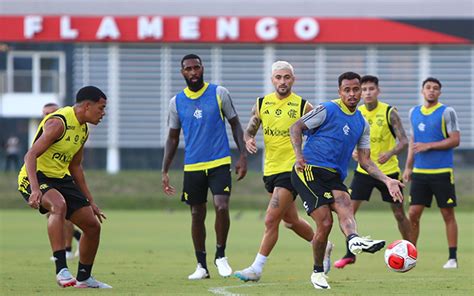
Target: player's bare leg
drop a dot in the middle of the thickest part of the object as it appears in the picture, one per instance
(221, 226)
(198, 233)
(343, 207)
(414, 215)
(323, 218)
(68, 236)
(279, 207)
(85, 219)
(299, 225)
(349, 258)
(402, 220)
(452, 236)
(54, 202)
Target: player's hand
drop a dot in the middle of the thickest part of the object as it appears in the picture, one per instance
(251, 145)
(421, 147)
(34, 200)
(165, 184)
(384, 157)
(300, 164)
(241, 168)
(394, 187)
(407, 175)
(97, 212)
(355, 155)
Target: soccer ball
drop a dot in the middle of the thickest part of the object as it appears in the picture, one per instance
(400, 256)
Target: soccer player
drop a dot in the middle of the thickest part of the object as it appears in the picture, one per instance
(333, 130)
(52, 180)
(200, 110)
(387, 140)
(276, 112)
(69, 231)
(429, 165)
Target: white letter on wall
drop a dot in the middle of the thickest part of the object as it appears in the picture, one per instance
(189, 27)
(266, 28)
(153, 28)
(66, 31)
(306, 28)
(227, 28)
(32, 24)
(108, 28)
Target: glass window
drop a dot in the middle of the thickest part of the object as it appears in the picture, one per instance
(36, 72)
(22, 74)
(49, 75)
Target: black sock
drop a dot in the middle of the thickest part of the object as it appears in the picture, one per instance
(351, 236)
(77, 234)
(348, 252)
(83, 272)
(452, 253)
(220, 251)
(68, 249)
(60, 260)
(318, 268)
(201, 258)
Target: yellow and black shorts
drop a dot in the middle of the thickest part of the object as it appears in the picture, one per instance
(424, 186)
(197, 183)
(363, 184)
(74, 198)
(314, 185)
(282, 180)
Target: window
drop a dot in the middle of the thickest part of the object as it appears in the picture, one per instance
(36, 72)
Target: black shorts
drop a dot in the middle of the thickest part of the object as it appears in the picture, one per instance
(423, 186)
(279, 180)
(315, 185)
(363, 184)
(196, 183)
(66, 186)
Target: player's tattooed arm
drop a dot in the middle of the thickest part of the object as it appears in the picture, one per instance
(400, 134)
(368, 165)
(251, 131)
(254, 124)
(296, 136)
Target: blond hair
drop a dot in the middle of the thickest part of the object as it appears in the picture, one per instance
(282, 65)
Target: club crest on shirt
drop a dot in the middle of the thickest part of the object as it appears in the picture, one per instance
(346, 129)
(421, 127)
(198, 114)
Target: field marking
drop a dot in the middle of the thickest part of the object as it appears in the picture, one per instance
(223, 290)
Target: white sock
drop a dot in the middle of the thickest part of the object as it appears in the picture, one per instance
(259, 262)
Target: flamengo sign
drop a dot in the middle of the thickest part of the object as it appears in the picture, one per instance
(219, 29)
(170, 29)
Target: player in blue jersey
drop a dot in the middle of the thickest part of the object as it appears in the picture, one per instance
(333, 130)
(435, 133)
(200, 111)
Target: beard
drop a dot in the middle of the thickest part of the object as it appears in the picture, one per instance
(195, 86)
(284, 93)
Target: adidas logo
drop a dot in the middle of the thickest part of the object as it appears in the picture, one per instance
(450, 201)
(185, 196)
(227, 189)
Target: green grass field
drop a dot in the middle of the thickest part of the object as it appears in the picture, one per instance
(150, 253)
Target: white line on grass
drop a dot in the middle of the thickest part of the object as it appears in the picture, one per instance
(223, 290)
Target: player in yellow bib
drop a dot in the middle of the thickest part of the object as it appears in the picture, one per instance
(276, 112)
(387, 140)
(52, 180)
